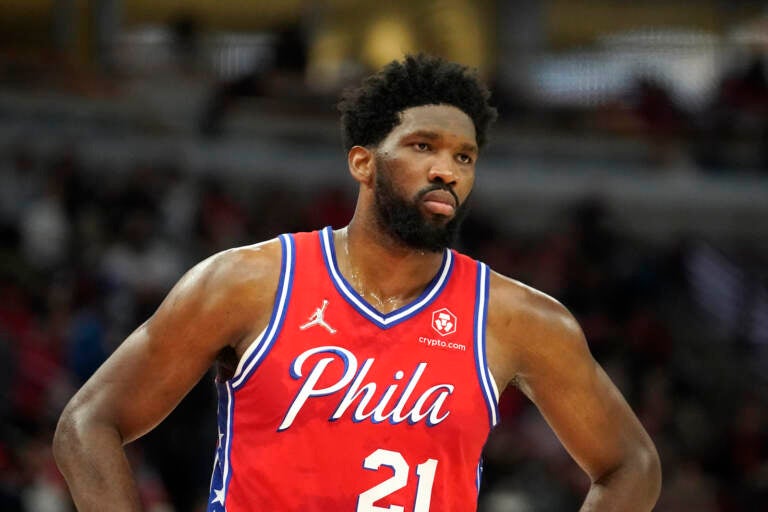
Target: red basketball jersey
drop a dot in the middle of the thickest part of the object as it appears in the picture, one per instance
(338, 407)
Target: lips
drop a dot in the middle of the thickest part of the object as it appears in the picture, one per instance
(440, 202)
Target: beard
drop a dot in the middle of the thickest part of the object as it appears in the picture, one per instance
(403, 220)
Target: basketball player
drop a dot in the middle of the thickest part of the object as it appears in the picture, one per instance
(368, 360)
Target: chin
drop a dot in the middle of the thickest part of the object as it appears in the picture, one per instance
(437, 219)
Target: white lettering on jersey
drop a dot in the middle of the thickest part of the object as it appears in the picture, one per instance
(427, 406)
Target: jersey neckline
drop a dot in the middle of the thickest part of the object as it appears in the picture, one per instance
(383, 320)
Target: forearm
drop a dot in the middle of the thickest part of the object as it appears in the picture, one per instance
(632, 487)
(94, 464)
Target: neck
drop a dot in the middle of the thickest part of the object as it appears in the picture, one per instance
(382, 270)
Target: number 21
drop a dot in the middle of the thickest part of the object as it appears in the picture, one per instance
(424, 471)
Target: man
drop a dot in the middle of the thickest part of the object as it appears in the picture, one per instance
(365, 362)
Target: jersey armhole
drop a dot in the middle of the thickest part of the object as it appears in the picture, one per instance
(487, 383)
(494, 386)
(255, 344)
(258, 349)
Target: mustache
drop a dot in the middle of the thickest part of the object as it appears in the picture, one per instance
(438, 186)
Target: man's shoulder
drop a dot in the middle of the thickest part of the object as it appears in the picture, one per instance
(515, 304)
(223, 296)
(238, 268)
(526, 326)
(267, 252)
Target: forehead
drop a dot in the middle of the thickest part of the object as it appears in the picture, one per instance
(443, 119)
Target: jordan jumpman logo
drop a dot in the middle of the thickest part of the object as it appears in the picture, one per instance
(317, 319)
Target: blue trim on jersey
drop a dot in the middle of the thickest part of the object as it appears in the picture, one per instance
(383, 320)
(478, 478)
(285, 284)
(222, 471)
(230, 422)
(484, 374)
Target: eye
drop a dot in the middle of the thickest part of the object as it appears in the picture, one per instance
(464, 158)
(421, 146)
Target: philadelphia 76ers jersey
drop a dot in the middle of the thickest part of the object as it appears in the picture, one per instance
(338, 407)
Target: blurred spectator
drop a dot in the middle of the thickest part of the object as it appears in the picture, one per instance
(282, 75)
(222, 220)
(45, 229)
(87, 343)
(186, 42)
(662, 121)
(739, 112)
(17, 184)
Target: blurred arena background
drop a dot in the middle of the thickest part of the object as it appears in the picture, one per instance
(628, 177)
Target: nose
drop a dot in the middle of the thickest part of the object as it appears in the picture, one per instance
(443, 172)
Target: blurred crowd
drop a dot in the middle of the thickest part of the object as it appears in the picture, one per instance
(87, 255)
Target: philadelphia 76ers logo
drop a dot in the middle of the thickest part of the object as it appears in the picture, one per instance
(444, 322)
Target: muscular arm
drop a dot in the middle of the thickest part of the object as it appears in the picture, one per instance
(219, 303)
(548, 358)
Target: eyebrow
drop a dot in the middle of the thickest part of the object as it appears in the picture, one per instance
(435, 136)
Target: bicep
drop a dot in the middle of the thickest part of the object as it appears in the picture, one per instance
(211, 307)
(140, 383)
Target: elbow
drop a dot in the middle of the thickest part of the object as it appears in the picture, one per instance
(654, 473)
(649, 473)
(64, 438)
(74, 432)
(637, 479)
(82, 432)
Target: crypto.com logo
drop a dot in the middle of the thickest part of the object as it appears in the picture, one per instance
(444, 322)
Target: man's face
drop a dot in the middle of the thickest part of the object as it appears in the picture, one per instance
(424, 175)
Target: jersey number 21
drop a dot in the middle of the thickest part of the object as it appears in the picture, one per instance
(425, 473)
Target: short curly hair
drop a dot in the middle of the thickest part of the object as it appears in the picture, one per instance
(370, 112)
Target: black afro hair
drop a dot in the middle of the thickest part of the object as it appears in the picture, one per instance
(370, 112)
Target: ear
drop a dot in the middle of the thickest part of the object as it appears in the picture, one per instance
(361, 164)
